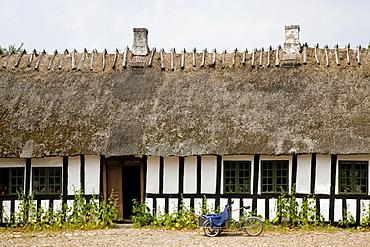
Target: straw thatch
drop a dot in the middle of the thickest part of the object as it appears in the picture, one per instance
(148, 111)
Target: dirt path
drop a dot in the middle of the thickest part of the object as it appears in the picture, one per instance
(150, 237)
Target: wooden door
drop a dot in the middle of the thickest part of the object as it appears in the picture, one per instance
(114, 178)
(125, 176)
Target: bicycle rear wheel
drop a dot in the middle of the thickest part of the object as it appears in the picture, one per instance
(209, 231)
(253, 226)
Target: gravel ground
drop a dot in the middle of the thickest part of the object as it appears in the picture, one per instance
(150, 237)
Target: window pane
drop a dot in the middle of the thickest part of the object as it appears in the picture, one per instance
(15, 180)
(353, 177)
(274, 176)
(46, 180)
(236, 177)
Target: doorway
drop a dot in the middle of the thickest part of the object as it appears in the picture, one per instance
(125, 177)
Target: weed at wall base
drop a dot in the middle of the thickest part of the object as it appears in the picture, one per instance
(174, 221)
(290, 213)
(92, 214)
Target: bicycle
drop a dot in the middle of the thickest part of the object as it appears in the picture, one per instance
(213, 224)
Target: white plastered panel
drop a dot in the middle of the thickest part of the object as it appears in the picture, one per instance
(6, 212)
(160, 206)
(272, 209)
(173, 205)
(7, 162)
(149, 204)
(323, 171)
(261, 207)
(324, 208)
(47, 162)
(152, 176)
(236, 205)
(198, 202)
(190, 175)
(171, 175)
(351, 208)
(303, 174)
(92, 174)
(73, 174)
(208, 171)
(338, 210)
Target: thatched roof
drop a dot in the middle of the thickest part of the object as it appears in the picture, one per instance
(223, 108)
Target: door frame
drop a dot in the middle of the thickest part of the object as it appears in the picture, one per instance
(106, 194)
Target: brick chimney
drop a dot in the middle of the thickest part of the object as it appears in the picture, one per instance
(140, 46)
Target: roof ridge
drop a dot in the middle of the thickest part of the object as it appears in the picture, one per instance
(171, 60)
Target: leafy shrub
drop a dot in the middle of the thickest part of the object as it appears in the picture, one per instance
(290, 213)
(141, 214)
(95, 213)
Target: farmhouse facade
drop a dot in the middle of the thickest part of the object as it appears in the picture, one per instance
(160, 126)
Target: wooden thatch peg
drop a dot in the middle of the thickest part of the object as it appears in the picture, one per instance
(33, 54)
(173, 58)
(244, 59)
(336, 54)
(348, 56)
(277, 60)
(151, 57)
(261, 56)
(92, 59)
(52, 59)
(39, 60)
(62, 60)
(305, 53)
(268, 57)
(124, 63)
(20, 57)
(316, 55)
(183, 58)
(203, 57)
(162, 59)
(82, 59)
(194, 56)
(234, 57)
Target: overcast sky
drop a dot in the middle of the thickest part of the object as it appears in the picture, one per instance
(79, 24)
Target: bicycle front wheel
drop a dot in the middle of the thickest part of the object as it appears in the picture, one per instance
(209, 231)
(253, 226)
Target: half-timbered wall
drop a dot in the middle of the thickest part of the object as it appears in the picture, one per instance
(168, 179)
(78, 172)
(199, 176)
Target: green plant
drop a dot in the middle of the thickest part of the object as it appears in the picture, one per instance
(365, 216)
(348, 220)
(290, 213)
(26, 207)
(141, 214)
(85, 214)
(183, 220)
(175, 220)
(11, 49)
(309, 213)
(95, 212)
(206, 209)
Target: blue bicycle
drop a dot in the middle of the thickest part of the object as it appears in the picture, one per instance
(214, 224)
